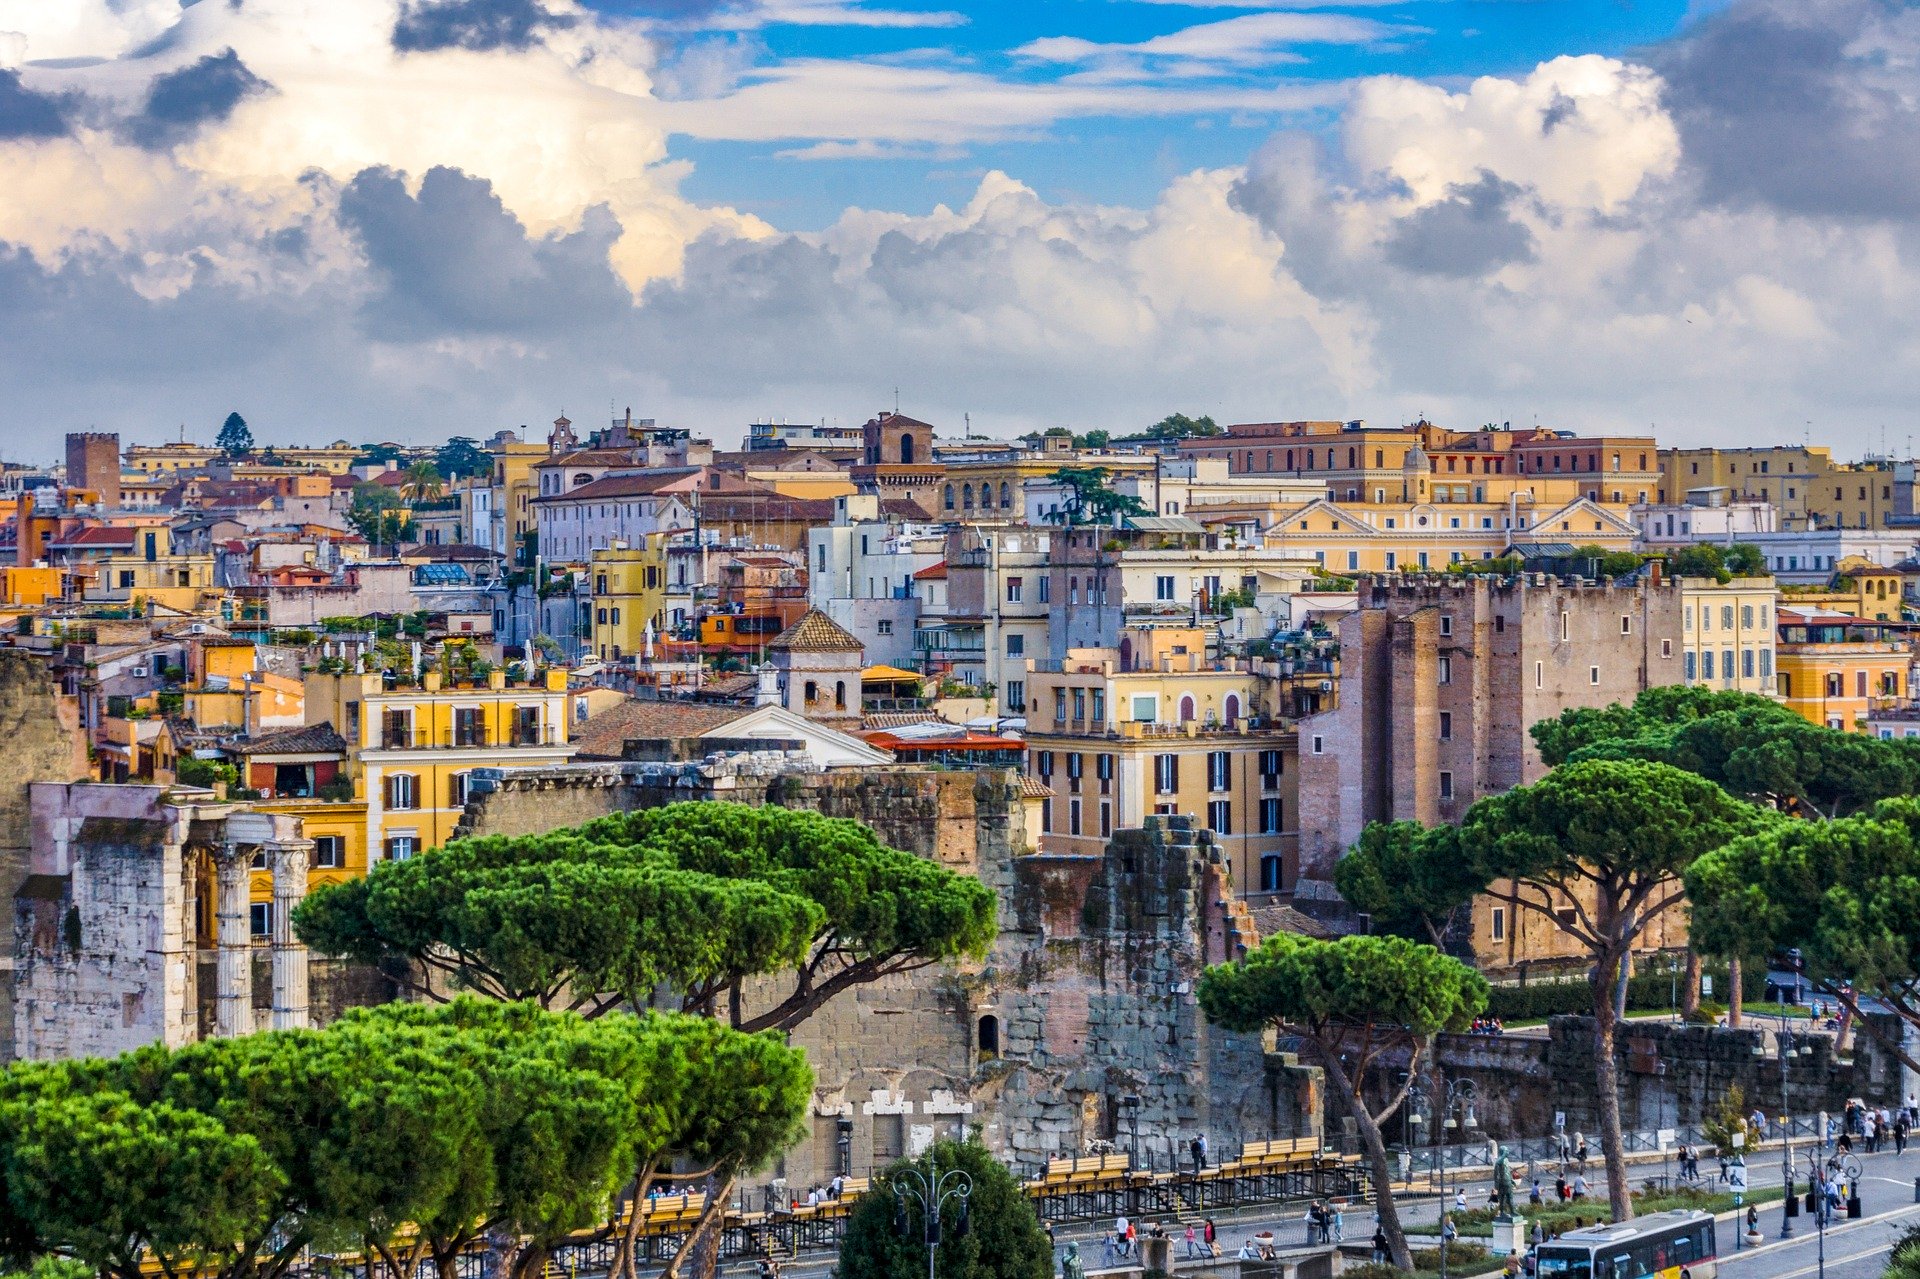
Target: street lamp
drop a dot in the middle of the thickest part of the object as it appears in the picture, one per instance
(1457, 1113)
(933, 1190)
(1847, 1166)
(1130, 1106)
(1787, 1205)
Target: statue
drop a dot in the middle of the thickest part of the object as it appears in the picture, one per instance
(1503, 1183)
(1073, 1267)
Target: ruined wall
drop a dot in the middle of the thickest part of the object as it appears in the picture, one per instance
(104, 962)
(1086, 997)
(44, 744)
(1670, 1075)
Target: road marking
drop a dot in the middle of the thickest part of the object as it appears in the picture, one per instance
(1834, 1261)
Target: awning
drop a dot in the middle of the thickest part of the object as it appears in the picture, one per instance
(889, 675)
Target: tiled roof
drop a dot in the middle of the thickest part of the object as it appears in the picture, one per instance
(1032, 787)
(645, 484)
(310, 739)
(605, 735)
(877, 721)
(96, 537)
(815, 632)
(1276, 918)
(932, 573)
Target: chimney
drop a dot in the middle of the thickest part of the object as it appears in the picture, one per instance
(766, 691)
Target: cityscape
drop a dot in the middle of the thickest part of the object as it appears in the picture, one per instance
(1352, 712)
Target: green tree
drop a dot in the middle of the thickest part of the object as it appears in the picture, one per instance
(1089, 500)
(1702, 560)
(1353, 999)
(112, 1182)
(423, 483)
(1411, 879)
(1845, 892)
(235, 438)
(1002, 1238)
(379, 455)
(1597, 849)
(1607, 563)
(1093, 440)
(1178, 426)
(378, 513)
(696, 897)
(462, 456)
(1744, 559)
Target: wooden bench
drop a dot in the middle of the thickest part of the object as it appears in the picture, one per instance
(666, 1214)
(1082, 1172)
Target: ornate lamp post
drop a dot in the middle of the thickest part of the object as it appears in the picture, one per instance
(1456, 1109)
(1787, 1053)
(933, 1190)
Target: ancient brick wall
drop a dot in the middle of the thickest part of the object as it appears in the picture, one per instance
(1087, 996)
(44, 744)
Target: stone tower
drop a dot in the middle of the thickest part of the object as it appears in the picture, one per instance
(818, 664)
(93, 463)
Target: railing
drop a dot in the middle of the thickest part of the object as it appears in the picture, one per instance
(1546, 1151)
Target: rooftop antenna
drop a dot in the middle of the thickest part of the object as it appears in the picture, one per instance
(896, 401)
(967, 418)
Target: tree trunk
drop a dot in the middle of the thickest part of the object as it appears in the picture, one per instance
(1733, 993)
(1369, 1130)
(1690, 987)
(699, 1257)
(1607, 1077)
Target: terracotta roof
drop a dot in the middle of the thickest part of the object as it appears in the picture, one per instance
(1276, 918)
(932, 573)
(311, 739)
(605, 735)
(815, 632)
(1032, 787)
(878, 721)
(95, 537)
(641, 485)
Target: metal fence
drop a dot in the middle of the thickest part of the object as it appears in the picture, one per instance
(1550, 1152)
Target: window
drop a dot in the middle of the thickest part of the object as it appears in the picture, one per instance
(1319, 745)
(1593, 675)
(1746, 617)
(1106, 818)
(1446, 670)
(1836, 685)
(1166, 774)
(886, 626)
(1220, 816)
(1043, 763)
(468, 728)
(1691, 667)
(1564, 616)
(1726, 617)
(1766, 663)
(1271, 764)
(1666, 648)
(1746, 663)
(261, 916)
(457, 790)
(1446, 726)
(1073, 817)
(1146, 707)
(1046, 814)
(1017, 694)
(1626, 625)
(329, 852)
(402, 791)
(1219, 766)
(1446, 624)
(1446, 785)
(1016, 645)
(1074, 770)
(1271, 872)
(1099, 705)
(1015, 586)
(1889, 683)
(396, 729)
(1539, 674)
(1103, 769)
(1499, 923)
(1046, 589)
(400, 847)
(1163, 587)
(1500, 626)
(1706, 664)
(1271, 814)
(1353, 560)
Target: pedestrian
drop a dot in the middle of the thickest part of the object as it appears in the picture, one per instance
(1339, 1225)
(1580, 1154)
(1133, 1240)
(1901, 1128)
(1539, 1234)
(1210, 1236)
(1579, 1185)
(1560, 1191)
(1205, 1152)
(1534, 1197)
(1380, 1251)
(1193, 1242)
(1316, 1223)
(1448, 1231)
(1460, 1200)
(1198, 1149)
(1122, 1232)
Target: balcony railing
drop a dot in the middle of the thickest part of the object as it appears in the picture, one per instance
(548, 735)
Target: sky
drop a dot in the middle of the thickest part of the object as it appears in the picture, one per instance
(409, 219)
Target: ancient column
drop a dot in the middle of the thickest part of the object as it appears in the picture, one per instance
(288, 857)
(233, 975)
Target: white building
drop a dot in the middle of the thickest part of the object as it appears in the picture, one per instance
(572, 525)
(1708, 515)
(1811, 557)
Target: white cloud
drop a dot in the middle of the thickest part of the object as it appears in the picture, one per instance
(1259, 39)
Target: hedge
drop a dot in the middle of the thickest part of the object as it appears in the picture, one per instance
(1645, 993)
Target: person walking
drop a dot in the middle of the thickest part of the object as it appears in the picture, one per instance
(1193, 1242)
(1579, 1185)
(1901, 1129)
(1380, 1251)
(1339, 1219)
(1533, 1197)
(1211, 1236)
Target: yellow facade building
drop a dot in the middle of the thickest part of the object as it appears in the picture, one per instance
(1114, 741)
(338, 830)
(1804, 484)
(1727, 633)
(1835, 670)
(1429, 536)
(412, 751)
(629, 596)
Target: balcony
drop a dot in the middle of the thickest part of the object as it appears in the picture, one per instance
(547, 735)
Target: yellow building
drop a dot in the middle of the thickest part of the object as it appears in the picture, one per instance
(1859, 588)
(629, 595)
(167, 459)
(995, 488)
(1112, 742)
(152, 570)
(1835, 669)
(515, 485)
(1429, 536)
(31, 586)
(412, 751)
(338, 830)
(1804, 484)
(1727, 633)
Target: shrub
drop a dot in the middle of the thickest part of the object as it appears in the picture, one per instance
(1646, 992)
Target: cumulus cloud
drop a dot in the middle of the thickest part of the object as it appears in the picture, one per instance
(26, 114)
(484, 233)
(203, 92)
(480, 25)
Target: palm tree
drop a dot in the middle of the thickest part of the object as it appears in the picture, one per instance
(423, 483)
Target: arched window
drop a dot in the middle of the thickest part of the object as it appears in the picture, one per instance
(1233, 709)
(1006, 496)
(966, 496)
(906, 450)
(1186, 709)
(840, 695)
(949, 497)
(1249, 465)
(582, 478)
(989, 1038)
(1352, 458)
(813, 692)
(1126, 653)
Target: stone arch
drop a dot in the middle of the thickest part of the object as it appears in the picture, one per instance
(906, 449)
